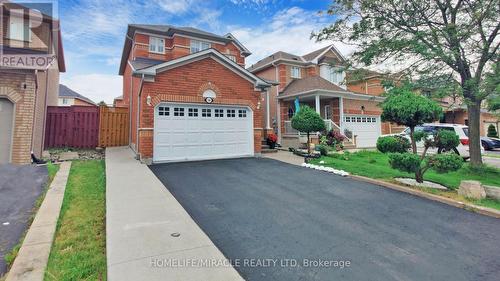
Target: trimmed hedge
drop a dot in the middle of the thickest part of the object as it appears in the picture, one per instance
(393, 144)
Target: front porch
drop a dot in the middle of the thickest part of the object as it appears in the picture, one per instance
(330, 108)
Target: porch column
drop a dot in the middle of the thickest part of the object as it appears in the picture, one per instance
(341, 114)
(268, 122)
(318, 107)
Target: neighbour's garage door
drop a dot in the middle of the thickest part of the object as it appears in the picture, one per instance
(197, 132)
(366, 127)
(6, 120)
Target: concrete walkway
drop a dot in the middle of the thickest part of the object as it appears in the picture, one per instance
(149, 236)
(32, 258)
(285, 156)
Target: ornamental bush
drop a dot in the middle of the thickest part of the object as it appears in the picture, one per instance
(307, 120)
(444, 163)
(391, 144)
(405, 162)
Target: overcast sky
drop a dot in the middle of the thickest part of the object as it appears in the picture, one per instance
(94, 32)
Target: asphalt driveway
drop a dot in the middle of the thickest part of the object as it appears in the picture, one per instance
(270, 211)
(20, 186)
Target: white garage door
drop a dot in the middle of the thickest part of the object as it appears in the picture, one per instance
(184, 132)
(366, 127)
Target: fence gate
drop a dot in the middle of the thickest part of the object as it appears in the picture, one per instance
(113, 126)
(72, 126)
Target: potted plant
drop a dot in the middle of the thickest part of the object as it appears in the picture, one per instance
(271, 140)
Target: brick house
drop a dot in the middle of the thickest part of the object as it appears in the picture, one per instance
(31, 58)
(68, 97)
(317, 79)
(189, 95)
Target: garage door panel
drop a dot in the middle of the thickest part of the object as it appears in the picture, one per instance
(367, 129)
(202, 137)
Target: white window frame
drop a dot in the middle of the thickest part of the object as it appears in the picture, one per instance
(16, 19)
(65, 101)
(198, 46)
(156, 45)
(328, 112)
(295, 72)
(336, 76)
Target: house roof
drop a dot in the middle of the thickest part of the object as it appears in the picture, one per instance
(65, 92)
(170, 30)
(141, 63)
(307, 59)
(308, 84)
(208, 53)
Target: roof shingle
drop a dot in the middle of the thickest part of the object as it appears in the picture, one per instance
(65, 92)
(309, 84)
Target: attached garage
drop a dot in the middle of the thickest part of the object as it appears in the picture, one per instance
(6, 125)
(367, 128)
(185, 132)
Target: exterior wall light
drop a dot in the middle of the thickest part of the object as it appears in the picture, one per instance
(148, 100)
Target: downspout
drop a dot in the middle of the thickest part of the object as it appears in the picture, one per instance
(138, 119)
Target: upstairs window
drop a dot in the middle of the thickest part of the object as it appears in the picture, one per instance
(231, 57)
(156, 45)
(295, 72)
(336, 76)
(197, 46)
(19, 28)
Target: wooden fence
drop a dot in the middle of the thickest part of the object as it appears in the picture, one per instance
(113, 126)
(86, 126)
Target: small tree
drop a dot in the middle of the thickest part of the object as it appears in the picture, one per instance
(441, 163)
(307, 121)
(492, 131)
(403, 107)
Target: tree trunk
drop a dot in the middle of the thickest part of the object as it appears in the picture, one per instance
(412, 139)
(474, 112)
(419, 177)
(308, 145)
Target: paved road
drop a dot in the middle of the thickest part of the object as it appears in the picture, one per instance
(266, 209)
(20, 186)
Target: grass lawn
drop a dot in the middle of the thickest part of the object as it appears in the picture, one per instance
(79, 249)
(374, 164)
(51, 170)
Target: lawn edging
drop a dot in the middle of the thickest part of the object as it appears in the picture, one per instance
(33, 255)
(467, 206)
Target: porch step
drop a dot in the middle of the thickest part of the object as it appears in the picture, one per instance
(268, 150)
(349, 145)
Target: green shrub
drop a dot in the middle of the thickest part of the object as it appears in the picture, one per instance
(323, 149)
(447, 140)
(492, 131)
(444, 163)
(393, 144)
(406, 162)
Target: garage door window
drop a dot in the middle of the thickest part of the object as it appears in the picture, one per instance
(178, 111)
(242, 113)
(163, 111)
(193, 112)
(205, 112)
(231, 113)
(219, 112)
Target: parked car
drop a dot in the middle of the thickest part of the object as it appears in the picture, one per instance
(431, 129)
(490, 143)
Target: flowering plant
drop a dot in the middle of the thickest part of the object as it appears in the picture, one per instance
(271, 140)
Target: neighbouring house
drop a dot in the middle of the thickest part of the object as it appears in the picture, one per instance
(68, 97)
(318, 79)
(119, 102)
(189, 95)
(455, 109)
(31, 58)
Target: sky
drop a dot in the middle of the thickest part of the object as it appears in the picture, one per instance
(93, 32)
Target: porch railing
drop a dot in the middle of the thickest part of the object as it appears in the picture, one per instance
(329, 125)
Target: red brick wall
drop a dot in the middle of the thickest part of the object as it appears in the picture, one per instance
(177, 47)
(186, 84)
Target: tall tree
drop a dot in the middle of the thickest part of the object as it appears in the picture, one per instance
(455, 37)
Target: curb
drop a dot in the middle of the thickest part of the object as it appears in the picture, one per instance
(466, 206)
(33, 255)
